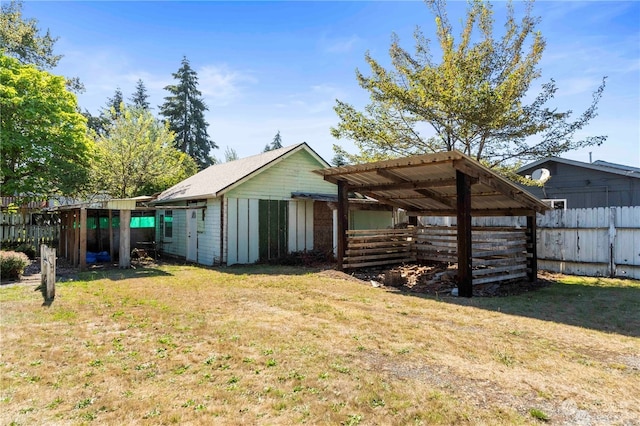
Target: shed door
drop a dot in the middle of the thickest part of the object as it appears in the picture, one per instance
(273, 233)
(192, 235)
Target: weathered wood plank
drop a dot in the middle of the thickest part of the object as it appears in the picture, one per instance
(380, 263)
(499, 270)
(498, 278)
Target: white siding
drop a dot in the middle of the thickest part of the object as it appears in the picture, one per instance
(177, 245)
(208, 232)
(300, 225)
(242, 230)
(209, 235)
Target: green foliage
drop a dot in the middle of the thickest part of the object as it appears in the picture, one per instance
(22, 40)
(539, 414)
(45, 148)
(12, 264)
(28, 249)
(140, 96)
(184, 109)
(230, 154)
(340, 158)
(20, 247)
(473, 99)
(115, 105)
(136, 156)
(275, 144)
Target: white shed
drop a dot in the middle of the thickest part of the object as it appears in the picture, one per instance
(246, 210)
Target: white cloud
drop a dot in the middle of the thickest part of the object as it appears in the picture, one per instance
(221, 85)
(339, 45)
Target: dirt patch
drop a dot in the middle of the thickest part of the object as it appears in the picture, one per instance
(437, 279)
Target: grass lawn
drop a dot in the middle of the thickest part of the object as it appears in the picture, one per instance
(179, 344)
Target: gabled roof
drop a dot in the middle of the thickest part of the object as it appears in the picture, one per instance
(217, 179)
(599, 165)
(426, 185)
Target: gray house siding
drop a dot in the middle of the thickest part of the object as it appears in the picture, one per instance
(585, 187)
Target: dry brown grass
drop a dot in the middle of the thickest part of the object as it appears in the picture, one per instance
(273, 345)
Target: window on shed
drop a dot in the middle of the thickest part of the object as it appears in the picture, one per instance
(167, 224)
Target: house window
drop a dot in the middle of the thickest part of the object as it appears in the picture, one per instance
(201, 222)
(167, 224)
(556, 203)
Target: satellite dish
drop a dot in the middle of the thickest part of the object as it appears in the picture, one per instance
(541, 175)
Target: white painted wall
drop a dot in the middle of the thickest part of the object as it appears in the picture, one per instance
(300, 225)
(242, 230)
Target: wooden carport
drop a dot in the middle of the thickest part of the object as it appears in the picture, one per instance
(73, 228)
(440, 184)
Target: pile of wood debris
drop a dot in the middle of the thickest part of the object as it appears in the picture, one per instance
(438, 279)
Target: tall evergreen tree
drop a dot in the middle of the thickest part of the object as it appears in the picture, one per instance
(114, 105)
(140, 96)
(184, 109)
(22, 39)
(275, 144)
(110, 112)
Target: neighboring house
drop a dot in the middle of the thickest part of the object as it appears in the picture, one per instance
(256, 208)
(569, 184)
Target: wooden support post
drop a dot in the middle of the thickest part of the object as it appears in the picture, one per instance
(76, 238)
(343, 221)
(83, 238)
(110, 225)
(532, 249)
(463, 205)
(125, 236)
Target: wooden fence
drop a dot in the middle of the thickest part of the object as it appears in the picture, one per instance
(379, 247)
(594, 242)
(499, 254)
(21, 227)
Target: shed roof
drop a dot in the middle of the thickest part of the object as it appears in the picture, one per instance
(217, 179)
(426, 185)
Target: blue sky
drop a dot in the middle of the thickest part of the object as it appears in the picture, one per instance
(269, 66)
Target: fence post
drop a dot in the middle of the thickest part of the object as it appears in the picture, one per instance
(48, 271)
(612, 242)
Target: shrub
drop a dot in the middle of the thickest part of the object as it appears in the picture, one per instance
(28, 249)
(22, 247)
(12, 264)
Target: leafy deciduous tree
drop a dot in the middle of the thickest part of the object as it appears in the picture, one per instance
(473, 99)
(184, 109)
(136, 156)
(45, 148)
(230, 154)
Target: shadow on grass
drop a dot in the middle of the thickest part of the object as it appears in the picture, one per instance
(266, 269)
(115, 274)
(611, 306)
